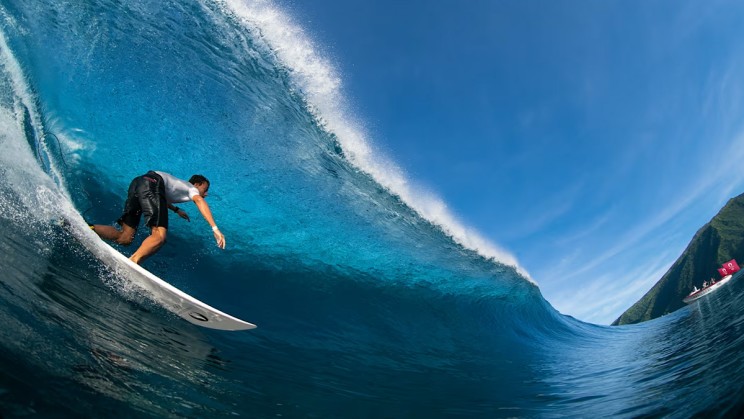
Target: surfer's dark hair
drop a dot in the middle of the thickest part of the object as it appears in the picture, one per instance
(198, 179)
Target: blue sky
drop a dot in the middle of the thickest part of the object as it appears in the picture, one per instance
(589, 139)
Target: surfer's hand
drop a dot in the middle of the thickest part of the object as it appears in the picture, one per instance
(181, 213)
(220, 238)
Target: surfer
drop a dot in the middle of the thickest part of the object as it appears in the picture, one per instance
(152, 195)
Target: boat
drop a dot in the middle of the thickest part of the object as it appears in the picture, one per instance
(726, 271)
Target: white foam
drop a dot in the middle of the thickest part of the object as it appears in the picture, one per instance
(24, 104)
(322, 87)
(38, 196)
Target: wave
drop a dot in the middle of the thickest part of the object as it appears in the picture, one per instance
(371, 299)
(317, 79)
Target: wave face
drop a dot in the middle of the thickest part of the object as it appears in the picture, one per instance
(369, 302)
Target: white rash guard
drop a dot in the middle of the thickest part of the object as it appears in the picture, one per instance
(177, 190)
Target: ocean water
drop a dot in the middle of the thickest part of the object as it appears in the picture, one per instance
(370, 299)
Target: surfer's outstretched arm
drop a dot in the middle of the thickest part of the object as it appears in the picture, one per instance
(207, 214)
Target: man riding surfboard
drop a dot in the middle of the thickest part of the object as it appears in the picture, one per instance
(152, 195)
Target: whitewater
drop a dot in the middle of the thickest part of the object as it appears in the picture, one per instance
(371, 297)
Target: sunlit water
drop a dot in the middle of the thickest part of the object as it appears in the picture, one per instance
(370, 302)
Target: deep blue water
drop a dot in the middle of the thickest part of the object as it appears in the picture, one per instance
(368, 304)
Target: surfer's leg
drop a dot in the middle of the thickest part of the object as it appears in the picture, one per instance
(150, 245)
(129, 219)
(123, 236)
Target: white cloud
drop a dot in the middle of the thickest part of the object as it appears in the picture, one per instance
(609, 294)
(606, 295)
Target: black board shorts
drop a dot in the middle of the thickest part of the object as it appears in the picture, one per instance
(146, 196)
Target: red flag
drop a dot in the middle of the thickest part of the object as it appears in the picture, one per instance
(723, 272)
(731, 266)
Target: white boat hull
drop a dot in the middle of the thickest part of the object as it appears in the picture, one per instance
(707, 290)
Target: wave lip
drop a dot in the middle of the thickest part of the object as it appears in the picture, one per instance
(321, 85)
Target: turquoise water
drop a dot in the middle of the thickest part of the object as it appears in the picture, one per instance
(368, 303)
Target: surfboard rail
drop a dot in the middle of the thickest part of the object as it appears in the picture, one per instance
(175, 300)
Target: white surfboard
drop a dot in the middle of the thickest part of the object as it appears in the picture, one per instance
(171, 297)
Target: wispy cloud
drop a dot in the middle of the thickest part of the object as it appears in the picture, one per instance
(587, 230)
(605, 296)
(608, 294)
(726, 173)
(553, 208)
